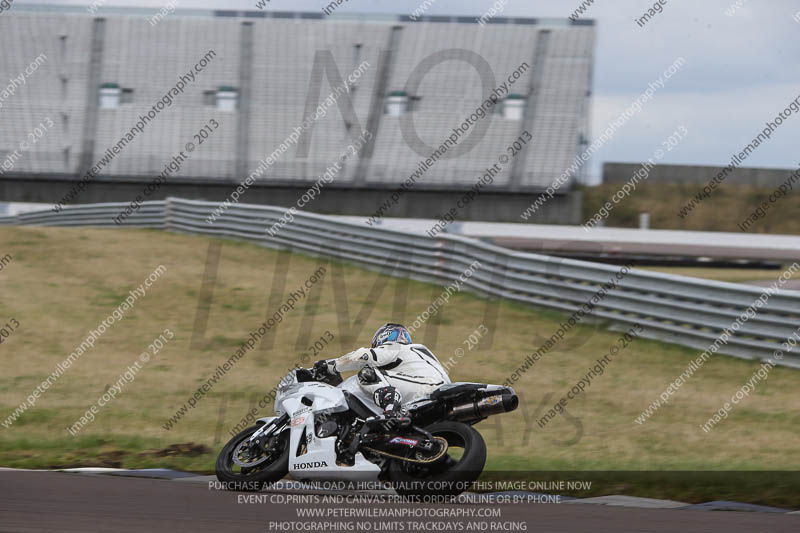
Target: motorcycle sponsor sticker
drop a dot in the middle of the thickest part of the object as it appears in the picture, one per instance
(297, 421)
(403, 440)
(491, 400)
(312, 464)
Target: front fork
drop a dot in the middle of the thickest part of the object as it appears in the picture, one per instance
(261, 436)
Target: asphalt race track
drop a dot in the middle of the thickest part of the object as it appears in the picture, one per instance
(54, 501)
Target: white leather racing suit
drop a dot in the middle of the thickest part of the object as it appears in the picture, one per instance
(411, 369)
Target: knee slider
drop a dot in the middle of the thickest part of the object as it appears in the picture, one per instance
(386, 396)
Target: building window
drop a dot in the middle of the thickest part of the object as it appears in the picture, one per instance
(110, 96)
(227, 99)
(514, 107)
(397, 103)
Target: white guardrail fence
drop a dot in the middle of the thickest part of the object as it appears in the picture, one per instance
(688, 311)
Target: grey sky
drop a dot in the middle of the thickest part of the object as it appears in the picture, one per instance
(740, 70)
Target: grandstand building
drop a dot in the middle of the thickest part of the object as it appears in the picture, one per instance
(444, 99)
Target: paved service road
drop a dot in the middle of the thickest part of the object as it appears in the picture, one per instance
(53, 501)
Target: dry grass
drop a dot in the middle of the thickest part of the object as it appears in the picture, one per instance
(63, 282)
(722, 211)
(733, 275)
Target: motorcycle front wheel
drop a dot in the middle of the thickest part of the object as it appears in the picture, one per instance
(449, 476)
(246, 468)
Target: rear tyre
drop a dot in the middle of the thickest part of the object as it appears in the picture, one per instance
(452, 474)
(257, 468)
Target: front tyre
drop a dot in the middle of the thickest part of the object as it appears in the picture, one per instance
(251, 468)
(452, 474)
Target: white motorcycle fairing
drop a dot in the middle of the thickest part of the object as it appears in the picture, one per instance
(305, 402)
(325, 432)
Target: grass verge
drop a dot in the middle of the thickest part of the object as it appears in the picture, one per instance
(727, 206)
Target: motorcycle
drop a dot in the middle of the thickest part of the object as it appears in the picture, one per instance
(327, 428)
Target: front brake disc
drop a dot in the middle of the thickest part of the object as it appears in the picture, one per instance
(252, 462)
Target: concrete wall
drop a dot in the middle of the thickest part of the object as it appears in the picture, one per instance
(696, 174)
(451, 64)
(490, 206)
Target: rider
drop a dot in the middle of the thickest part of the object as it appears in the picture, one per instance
(393, 370)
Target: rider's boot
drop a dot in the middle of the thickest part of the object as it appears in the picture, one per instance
(390, 400)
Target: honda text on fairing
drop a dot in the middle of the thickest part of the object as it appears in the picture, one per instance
(327, 428)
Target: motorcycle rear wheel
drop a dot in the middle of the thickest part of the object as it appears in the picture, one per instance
(451, 475)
